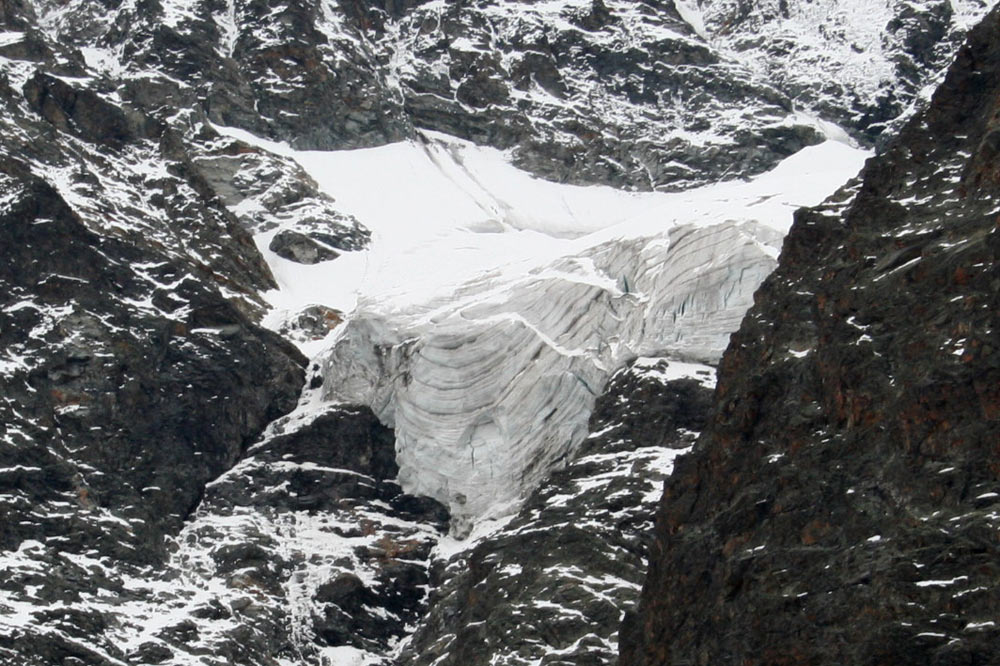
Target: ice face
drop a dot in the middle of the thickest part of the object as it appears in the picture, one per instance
(489, 394)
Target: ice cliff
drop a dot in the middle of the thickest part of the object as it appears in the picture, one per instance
(490, 384)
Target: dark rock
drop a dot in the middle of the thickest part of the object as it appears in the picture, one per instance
(152, 653)
(110, 379)
(312, 323)
(839, 507)
(281, 193)
(301, 248)
(84, 113)
(654, 413)
(266, 527)
(371, 449)
(346, 590)
(117, 415)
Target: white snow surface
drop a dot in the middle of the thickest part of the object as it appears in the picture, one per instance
(492, 306)
(446, 211)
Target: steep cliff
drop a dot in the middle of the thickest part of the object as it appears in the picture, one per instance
(841, 506)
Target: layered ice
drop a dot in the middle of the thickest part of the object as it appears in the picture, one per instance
(491, 391)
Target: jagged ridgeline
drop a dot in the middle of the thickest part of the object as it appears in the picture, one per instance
(651, 94)
(841, 506)
(179, 484)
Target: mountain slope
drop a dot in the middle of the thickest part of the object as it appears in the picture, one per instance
(128, 383)
(179, 485)
(647, 95)
(841, 505)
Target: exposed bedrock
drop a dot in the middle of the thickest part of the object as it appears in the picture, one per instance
(126, 385)
(842, 505)
(106, 348)
(645, 95)
(491, 390)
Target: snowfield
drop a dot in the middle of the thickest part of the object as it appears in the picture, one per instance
(445, 211)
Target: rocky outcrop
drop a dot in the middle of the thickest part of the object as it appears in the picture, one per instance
(549, 586)
(841, 506)
(131, 367)
(305, 550)
(87, 115)
(301, 248)
(107, 347)
(268, 192)
(859, 68)
(309, 547)
(296, 72)
(650, 95)
(589, 92)
(128, 384)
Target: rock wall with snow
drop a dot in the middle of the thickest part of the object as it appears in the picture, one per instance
(158, 203)
(647, 95)
(842, 505)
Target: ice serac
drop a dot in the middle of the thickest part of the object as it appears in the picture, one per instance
(490, 390)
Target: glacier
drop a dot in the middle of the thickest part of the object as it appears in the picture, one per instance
(487, 394)
(492, 307)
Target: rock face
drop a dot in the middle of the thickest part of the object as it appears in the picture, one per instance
(592, 91)
(492, 389)
(550, 586)
(305, 550)
(107, 347)
(859, 66)
(83, 107)
(841, 506)
(128, 383)
(661, 95)
(650, 95)
(132, 369)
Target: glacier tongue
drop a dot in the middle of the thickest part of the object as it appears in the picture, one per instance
(481, 327)
(488, 393)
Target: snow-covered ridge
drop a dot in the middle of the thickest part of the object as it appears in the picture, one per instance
(492, 306)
